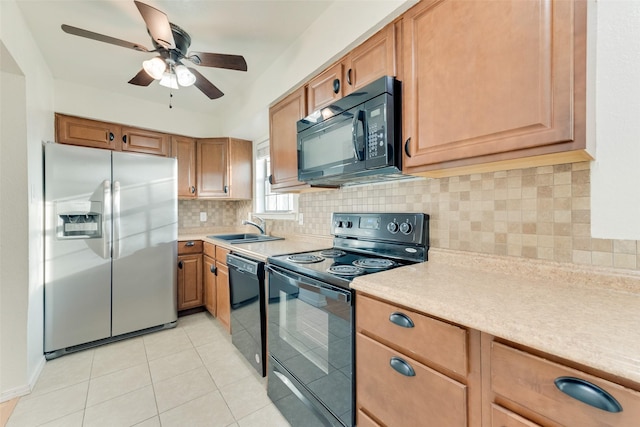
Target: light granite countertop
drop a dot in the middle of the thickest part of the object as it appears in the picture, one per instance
(588, 315)
(260, 250)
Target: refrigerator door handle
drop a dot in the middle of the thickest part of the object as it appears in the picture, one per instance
(106, 219)
(116, 220)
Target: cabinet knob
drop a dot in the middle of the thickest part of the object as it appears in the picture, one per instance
(336, 85)
(111, 136)
(180, 265)
(349, 77)
(401, 319)
(124, 138)
(226, 189)
(214, 270)
(588, 393)
(406, 147)
(400, 366)
(270, 179)
(193, 190)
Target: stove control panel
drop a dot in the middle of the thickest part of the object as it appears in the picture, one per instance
(392, 227)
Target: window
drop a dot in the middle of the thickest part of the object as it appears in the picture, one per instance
(268, 203)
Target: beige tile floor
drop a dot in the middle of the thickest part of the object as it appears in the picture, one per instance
(188, 376)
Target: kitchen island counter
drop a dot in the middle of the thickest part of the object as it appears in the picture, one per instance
(584, 314)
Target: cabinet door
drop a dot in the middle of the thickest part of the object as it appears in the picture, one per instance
(373, 59)
(223, 303)
(325, 88)
(212, 163)
(240, 171)
(491, 81)
(283, 141)
(145, 141)
(209, 275)
(190, 281)
(184, 149)
(88, 133)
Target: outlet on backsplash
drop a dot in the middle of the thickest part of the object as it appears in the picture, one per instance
(300, 219)
(203, 216)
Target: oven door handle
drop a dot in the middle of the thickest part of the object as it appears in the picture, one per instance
(309, 284)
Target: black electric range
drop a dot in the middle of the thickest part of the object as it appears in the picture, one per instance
(363, 243)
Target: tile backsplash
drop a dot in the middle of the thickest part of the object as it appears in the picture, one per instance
(541, 213)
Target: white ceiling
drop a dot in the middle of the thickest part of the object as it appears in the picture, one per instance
(259, 30)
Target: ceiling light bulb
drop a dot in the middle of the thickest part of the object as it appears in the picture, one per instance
(185, 77)
(155, 67)
(169, 80)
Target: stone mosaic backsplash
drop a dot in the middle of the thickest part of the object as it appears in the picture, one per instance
(540, 213)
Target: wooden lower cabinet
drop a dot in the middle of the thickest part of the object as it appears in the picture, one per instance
(501, 417)
(190, 293)
(223, 302)
(209, 272)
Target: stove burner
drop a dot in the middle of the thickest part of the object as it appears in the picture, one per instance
(374, 263)
(304, 258)
(332, 253)
(345, 270)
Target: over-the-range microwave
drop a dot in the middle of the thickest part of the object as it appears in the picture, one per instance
(357, 139)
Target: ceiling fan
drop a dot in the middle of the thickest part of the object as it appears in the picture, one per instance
(171, 43)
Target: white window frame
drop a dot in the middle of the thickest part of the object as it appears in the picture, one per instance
(262, 186)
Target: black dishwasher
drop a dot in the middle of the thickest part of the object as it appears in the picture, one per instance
(248, 309)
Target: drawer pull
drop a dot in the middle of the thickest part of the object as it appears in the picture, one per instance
(401, 319)
(588, 393)
(402, 367)
(190, 243)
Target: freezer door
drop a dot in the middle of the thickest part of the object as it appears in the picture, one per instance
(145, 232)
(77, 267)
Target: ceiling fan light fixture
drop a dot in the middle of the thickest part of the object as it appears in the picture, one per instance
(169, 80)
(155, 67)
(185, 77)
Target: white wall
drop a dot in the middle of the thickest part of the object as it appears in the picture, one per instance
(615, 174)
(83, 101)
(36, 100)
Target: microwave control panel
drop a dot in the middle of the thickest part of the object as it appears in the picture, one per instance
(376, 138)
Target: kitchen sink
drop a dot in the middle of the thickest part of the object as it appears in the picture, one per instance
(244, 238)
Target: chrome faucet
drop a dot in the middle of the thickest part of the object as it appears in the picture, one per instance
(260, 227)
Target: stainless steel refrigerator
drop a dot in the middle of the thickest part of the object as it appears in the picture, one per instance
(110, 246)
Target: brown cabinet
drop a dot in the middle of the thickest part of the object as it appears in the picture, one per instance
(89, 133)
(411, 367)
(523, 389)
(325, 88)
(224, 168)
(283, 144)
(492, 83)
(376, 57)
(184, 149)
(223, 301)
(209, 274)
(190, 290)
(145, 141)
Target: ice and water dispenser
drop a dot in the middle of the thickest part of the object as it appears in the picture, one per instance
(79, 220)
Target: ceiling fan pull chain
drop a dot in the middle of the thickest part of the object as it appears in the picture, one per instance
(170, 96)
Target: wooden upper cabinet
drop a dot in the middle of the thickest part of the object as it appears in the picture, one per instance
(373, 59)
(224, 168)
(325, 88)
(86, 132)
(145, 141)
(184, 149)
(488, 82)
(283, 145)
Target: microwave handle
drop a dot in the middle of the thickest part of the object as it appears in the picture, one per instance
(358, 117)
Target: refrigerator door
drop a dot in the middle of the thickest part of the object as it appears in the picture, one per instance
(145, 232)
(77, 268)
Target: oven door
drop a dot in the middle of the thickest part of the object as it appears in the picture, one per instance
(310, 342)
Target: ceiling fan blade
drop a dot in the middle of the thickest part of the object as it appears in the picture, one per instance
(141, 79)
(206, 86)
(102, 38)
(157, 24)
(218, 60)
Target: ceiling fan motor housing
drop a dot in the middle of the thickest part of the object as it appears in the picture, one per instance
(181, 38)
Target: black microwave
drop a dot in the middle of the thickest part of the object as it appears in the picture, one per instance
(357, 139)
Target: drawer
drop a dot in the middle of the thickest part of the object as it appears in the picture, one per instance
(363, 420)
(221, 254)
(501, 417)
(429, 340)
(400, 400)
(528, 381)
(189, 247)
(209, 249)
